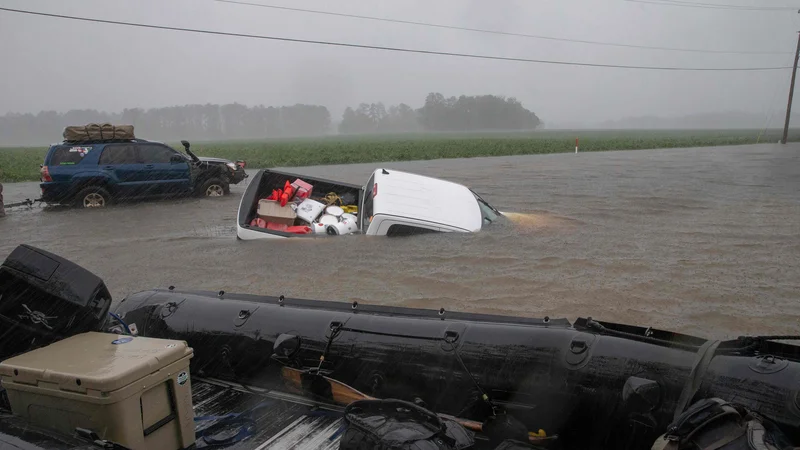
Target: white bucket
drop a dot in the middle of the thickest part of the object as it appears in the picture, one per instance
(318, 228)
(334, 211)
(343, 227)
(309, 210)
(328, 219)
(348, 216)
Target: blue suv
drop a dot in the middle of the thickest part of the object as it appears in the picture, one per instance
(92, 174)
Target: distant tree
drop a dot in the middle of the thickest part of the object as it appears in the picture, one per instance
(486, 112)
(364, 119)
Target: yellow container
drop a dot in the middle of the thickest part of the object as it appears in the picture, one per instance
(134, 391)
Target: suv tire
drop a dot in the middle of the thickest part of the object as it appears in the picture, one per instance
(92, 197)
(214, 187)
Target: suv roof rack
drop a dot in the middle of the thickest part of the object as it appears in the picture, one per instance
(102, 141)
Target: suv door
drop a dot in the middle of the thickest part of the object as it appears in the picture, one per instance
(167, 176)
(121, 163)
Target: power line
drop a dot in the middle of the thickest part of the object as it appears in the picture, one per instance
(686, 4)
(495, 32)
(391, 49)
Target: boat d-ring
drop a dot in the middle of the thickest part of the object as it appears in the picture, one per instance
(243, 316)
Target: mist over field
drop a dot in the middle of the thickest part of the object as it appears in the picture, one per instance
(175, 84)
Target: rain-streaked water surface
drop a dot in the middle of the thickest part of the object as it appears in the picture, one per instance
(704, 241)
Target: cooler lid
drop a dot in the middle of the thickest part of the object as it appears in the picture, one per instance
(98, 361)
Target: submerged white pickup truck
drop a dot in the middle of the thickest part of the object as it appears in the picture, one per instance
(391, 203)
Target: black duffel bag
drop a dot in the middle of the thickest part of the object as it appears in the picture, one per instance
(398, 425)
(714, 424)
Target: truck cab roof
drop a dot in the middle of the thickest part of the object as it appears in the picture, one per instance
(439, 202)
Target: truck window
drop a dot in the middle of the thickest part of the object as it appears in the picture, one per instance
(366, 208)
(68, 155)
(406, 230)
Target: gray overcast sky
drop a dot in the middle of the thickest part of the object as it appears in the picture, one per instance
(60, 64)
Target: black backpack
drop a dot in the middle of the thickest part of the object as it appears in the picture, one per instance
(398, 425)
(714, 424)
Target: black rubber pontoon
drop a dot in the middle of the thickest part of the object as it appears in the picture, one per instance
(596, 385)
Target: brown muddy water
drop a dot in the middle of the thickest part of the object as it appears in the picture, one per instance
(703, 241)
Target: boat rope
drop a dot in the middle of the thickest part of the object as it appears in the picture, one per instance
(332, 198)
(484, 396)
(121, 322)
(380, 333)
(603, 330)
(785, 337)
(336, 330)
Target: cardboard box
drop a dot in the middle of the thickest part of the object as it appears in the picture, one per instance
(273, 212)
(134, 391)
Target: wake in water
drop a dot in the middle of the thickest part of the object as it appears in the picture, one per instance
(536, 221)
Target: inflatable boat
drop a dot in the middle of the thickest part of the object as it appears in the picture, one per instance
(586, 384)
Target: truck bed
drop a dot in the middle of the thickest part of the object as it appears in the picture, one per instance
(265, 181)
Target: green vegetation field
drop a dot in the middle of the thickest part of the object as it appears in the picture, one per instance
(22, 164)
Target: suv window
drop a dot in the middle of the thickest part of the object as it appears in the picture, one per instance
(68, 155)
(155, 154)
(119, 154)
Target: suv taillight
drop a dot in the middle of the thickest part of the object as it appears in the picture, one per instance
(46, 174)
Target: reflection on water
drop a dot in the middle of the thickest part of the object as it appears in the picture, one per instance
(704, 241)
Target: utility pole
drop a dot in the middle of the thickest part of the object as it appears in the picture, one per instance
(791, 91)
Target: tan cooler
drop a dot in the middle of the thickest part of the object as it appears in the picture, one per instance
(134, 391)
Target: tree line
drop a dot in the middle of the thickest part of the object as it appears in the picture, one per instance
(236, 121)
(201, 122)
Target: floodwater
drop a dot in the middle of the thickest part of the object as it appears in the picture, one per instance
(699, 240)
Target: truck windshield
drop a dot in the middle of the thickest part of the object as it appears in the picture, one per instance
(490, 214)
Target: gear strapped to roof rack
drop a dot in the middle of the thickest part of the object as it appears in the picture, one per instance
(98, 132)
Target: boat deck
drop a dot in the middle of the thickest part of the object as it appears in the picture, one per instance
(280, 421)
(273, 420)
(284, 422)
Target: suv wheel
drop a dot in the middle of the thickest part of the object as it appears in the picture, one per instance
(93, 197)
(214, 187)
